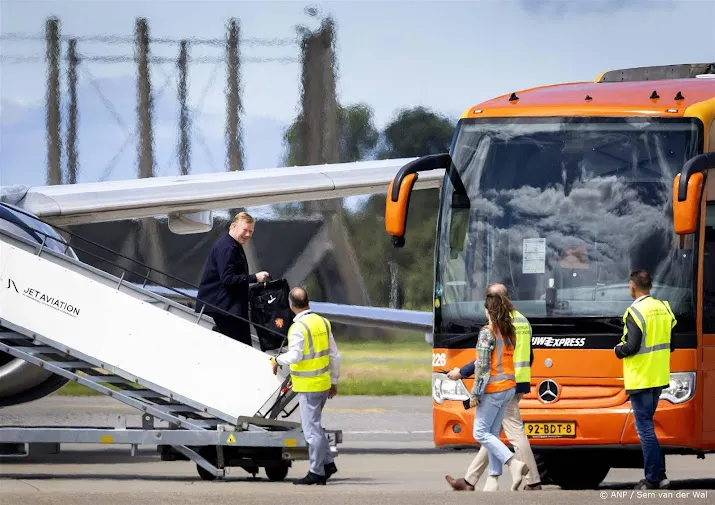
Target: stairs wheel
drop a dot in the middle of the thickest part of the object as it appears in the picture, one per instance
(209, 454)
(204, 474)
(277, 472)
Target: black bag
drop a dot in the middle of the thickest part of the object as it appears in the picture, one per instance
(268, 304)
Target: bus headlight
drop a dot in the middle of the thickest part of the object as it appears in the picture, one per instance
(447, 389)
(681, 388)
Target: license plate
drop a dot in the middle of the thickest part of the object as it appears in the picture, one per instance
(550, 430)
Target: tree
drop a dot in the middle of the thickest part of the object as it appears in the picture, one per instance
(358, 135)
(414, 132)
(417, 132)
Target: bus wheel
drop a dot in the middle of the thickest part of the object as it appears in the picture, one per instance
(584, 475)
(541, 464)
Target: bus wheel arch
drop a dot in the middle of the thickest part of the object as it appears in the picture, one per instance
(541, 464)
(572, 471)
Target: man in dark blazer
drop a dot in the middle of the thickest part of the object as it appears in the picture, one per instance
(226, 279)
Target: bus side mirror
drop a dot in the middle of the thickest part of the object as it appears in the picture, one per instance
(687, 192)
(400, 189)
(685, 213)
(396, 210)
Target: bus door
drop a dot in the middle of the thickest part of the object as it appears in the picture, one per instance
(708, 311)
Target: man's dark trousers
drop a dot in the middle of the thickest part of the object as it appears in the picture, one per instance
(644, 404)
(233, 328)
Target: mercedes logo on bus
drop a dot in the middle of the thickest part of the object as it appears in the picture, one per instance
(548, 391)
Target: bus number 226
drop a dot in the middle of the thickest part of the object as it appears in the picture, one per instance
(439, 359)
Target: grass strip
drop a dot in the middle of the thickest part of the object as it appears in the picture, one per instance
(348, 387)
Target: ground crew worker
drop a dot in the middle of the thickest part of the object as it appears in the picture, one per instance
(512, 423)
(314, 368)
(494, 387)
(645, 349)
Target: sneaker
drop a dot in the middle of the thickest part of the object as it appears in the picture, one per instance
(518, 472)
(646, 484)
(664, 482)
(492, 483)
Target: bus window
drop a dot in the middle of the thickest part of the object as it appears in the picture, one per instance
(709, 270)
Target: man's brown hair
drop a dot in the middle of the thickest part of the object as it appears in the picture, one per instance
(642, 280)
(298, 297)
(497, 287)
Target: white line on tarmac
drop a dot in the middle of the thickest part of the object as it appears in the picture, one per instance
(388, 432)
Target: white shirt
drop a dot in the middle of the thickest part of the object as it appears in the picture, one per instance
(295, 350)
(639, 299)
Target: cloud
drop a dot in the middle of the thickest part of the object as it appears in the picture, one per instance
(560, 8)
(611, 221)
(602, 204)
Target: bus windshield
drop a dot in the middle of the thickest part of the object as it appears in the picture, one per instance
(560, 210)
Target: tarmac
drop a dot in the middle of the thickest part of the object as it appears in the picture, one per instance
(387, 457)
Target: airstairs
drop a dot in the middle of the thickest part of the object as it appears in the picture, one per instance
(217, 398)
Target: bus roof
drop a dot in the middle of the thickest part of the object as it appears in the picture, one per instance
(658, 73)
(632, 96)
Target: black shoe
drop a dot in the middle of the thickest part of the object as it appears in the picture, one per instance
(330, 469)
(310, 479)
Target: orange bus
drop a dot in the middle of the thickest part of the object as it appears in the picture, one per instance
(558, 192)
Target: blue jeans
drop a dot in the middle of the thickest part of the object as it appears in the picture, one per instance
(487, 427)
(644, 404)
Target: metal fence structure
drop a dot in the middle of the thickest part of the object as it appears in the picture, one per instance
(318, 128)
(317, 53)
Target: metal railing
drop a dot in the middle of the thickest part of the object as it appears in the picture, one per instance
(123, 269)
(285, 395)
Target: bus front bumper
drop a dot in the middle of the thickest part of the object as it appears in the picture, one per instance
(552, 427)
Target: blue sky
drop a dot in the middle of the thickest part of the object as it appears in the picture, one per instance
(440, 54)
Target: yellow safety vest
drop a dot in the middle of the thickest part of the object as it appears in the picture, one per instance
(312, 373)
(650, 366)
(522, 350)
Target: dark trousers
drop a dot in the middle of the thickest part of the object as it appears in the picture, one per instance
(233, 328)
(644, 404)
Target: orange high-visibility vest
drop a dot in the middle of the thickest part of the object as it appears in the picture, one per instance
(501, 376)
